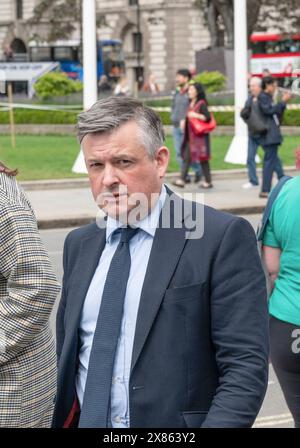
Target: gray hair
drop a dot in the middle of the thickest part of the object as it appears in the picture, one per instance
(108, 114)
(256, 80)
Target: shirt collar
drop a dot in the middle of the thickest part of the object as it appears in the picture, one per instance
(148, 224)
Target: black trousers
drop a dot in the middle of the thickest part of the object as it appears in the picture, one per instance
(270, 164)
(206, 171)
(285, 357)
(205, 168)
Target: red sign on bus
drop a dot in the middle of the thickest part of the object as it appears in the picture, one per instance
(280, 54)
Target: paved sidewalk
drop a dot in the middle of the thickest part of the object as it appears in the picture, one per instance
(67, 207)
(83, 182)
(69, 129)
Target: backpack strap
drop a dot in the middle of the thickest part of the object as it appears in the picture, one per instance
(267, 212)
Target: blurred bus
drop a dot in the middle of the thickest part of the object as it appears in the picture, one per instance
(110, 57)
(278, 53)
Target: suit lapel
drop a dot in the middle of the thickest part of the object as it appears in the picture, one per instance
(167, 247)
(88, 258)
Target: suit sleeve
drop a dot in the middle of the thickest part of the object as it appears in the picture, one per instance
(270, 109)
(60, 326)
(239, 329)
(31, 286)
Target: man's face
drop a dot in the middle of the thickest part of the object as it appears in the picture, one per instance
(255, 88)
(181, 80)
(271, 88)
(119, 167)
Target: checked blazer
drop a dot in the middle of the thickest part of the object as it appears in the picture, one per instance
(28, 289)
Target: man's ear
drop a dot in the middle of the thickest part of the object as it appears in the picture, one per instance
(162, 158)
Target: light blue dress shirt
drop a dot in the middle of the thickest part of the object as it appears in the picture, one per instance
(140, 248)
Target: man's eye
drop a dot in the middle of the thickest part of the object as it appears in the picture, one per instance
(95, 165)
(125, 162)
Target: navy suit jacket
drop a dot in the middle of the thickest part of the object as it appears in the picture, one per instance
(273, 135)
(200, 355)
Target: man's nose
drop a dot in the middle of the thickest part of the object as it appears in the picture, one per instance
(109, 176)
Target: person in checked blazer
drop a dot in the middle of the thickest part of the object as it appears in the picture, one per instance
(28, 289)
(160, 324)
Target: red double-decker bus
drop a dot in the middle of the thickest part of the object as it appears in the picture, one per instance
(278, 53)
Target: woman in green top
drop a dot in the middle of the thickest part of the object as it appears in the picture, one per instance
(281, 249)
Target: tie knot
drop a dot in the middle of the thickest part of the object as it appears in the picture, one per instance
(127, 233)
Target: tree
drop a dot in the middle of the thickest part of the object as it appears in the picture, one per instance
(284, 16)
(63, 17)
(218, 15)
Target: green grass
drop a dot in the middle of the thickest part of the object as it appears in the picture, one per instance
(52, 157)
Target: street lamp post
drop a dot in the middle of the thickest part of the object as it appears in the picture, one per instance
(89, 43)
(89, 53)
(139, 49)
(237, 152)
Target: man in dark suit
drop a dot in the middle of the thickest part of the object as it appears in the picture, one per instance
(163, 316)
(272, 138)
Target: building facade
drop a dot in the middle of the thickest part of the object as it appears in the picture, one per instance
(168, 33)
(159, 36)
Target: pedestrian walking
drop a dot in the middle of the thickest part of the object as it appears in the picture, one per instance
(150, 86)
(195, 148)
(272, 138)
(252, 116)
(180, 105)
(122, 87)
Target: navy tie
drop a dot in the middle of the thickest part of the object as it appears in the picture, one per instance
(96, 400)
